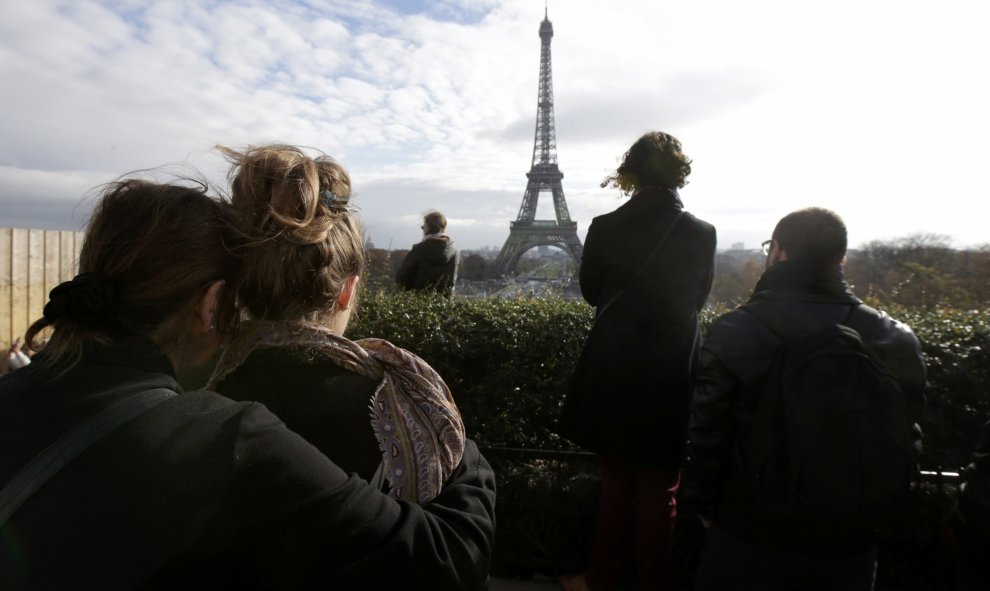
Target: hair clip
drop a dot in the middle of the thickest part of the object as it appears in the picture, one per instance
(330, 200)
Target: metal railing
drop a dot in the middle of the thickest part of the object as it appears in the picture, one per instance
(937, 476)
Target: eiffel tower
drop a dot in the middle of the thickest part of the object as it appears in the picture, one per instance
(544, 175)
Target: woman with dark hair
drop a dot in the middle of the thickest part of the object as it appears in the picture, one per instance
(647, 267)
(114, 478)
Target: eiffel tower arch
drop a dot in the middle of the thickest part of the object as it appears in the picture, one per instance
(526, 231)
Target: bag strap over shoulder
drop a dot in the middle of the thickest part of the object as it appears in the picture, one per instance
(642, 268)
(70, 445)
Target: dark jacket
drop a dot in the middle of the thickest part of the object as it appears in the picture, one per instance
(632, 385)
(973, 507)
(327, 405)
(970, 519)
(204, 492)
(431, 265)
(792, 298)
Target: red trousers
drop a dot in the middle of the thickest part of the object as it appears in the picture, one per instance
(635, 524)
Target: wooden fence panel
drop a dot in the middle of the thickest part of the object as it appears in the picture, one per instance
(32, 262)
(53, 261)
(37, 296)
(67, 261)
(6, 294)
(20, 247)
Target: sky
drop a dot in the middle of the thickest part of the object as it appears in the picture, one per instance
(876, 109)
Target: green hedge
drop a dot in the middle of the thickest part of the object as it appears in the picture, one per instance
(508, 362)
(957, 351)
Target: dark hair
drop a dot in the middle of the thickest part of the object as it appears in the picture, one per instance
(298, 236)
(434, 221)
(150, 251)
(812, 234)
(655, 159)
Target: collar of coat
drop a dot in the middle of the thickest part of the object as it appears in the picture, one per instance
(801, 280)
(655, 192)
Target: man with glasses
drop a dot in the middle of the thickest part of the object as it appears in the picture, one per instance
(802, 292)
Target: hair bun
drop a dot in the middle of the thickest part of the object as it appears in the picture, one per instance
(90, 299)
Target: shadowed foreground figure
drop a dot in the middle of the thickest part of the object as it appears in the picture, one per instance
(199, 491)
(970, 519)
(847, 442)
(647, 268)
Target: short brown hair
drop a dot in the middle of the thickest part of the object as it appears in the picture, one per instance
(160, 246)
(656, 159)
(434, 221)
(812, 234)
(298, 237)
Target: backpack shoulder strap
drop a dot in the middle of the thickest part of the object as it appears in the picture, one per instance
(860, 320)
(70, 445)
(642, 268)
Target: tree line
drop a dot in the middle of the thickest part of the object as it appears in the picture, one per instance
(920, 270)
(917, 271)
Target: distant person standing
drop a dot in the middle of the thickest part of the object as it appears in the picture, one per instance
(432, 264)
(647, 268)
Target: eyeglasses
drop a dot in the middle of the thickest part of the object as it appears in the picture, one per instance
(766, 246)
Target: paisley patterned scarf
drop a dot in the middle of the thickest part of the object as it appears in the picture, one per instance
(413, 414)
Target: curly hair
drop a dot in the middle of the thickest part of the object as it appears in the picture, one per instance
(655, 159)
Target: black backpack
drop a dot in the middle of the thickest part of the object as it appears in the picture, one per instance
(830, 446)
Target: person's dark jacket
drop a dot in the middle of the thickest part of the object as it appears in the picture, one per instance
(970, 518)
(431, 265)
(204, 492)
(631, 389)
(793, 298)
(326, 404)
(973, 508)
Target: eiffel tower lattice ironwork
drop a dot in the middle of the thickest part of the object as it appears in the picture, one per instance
(544, 175)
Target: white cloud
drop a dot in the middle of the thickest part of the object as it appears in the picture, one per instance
(874, 109)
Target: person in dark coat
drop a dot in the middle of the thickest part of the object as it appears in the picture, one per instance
(647, 267)
(198, 492)
(374, 408)
(802, 291)
(432, 264)
(970, 518)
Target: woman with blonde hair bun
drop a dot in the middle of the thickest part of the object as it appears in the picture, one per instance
(374, 408)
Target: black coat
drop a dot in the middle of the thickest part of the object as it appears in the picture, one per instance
(973, 507)
(971, 518)
(431, 265)
(631, 389)
(326, 404)
(204, 492)
(793, 298)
